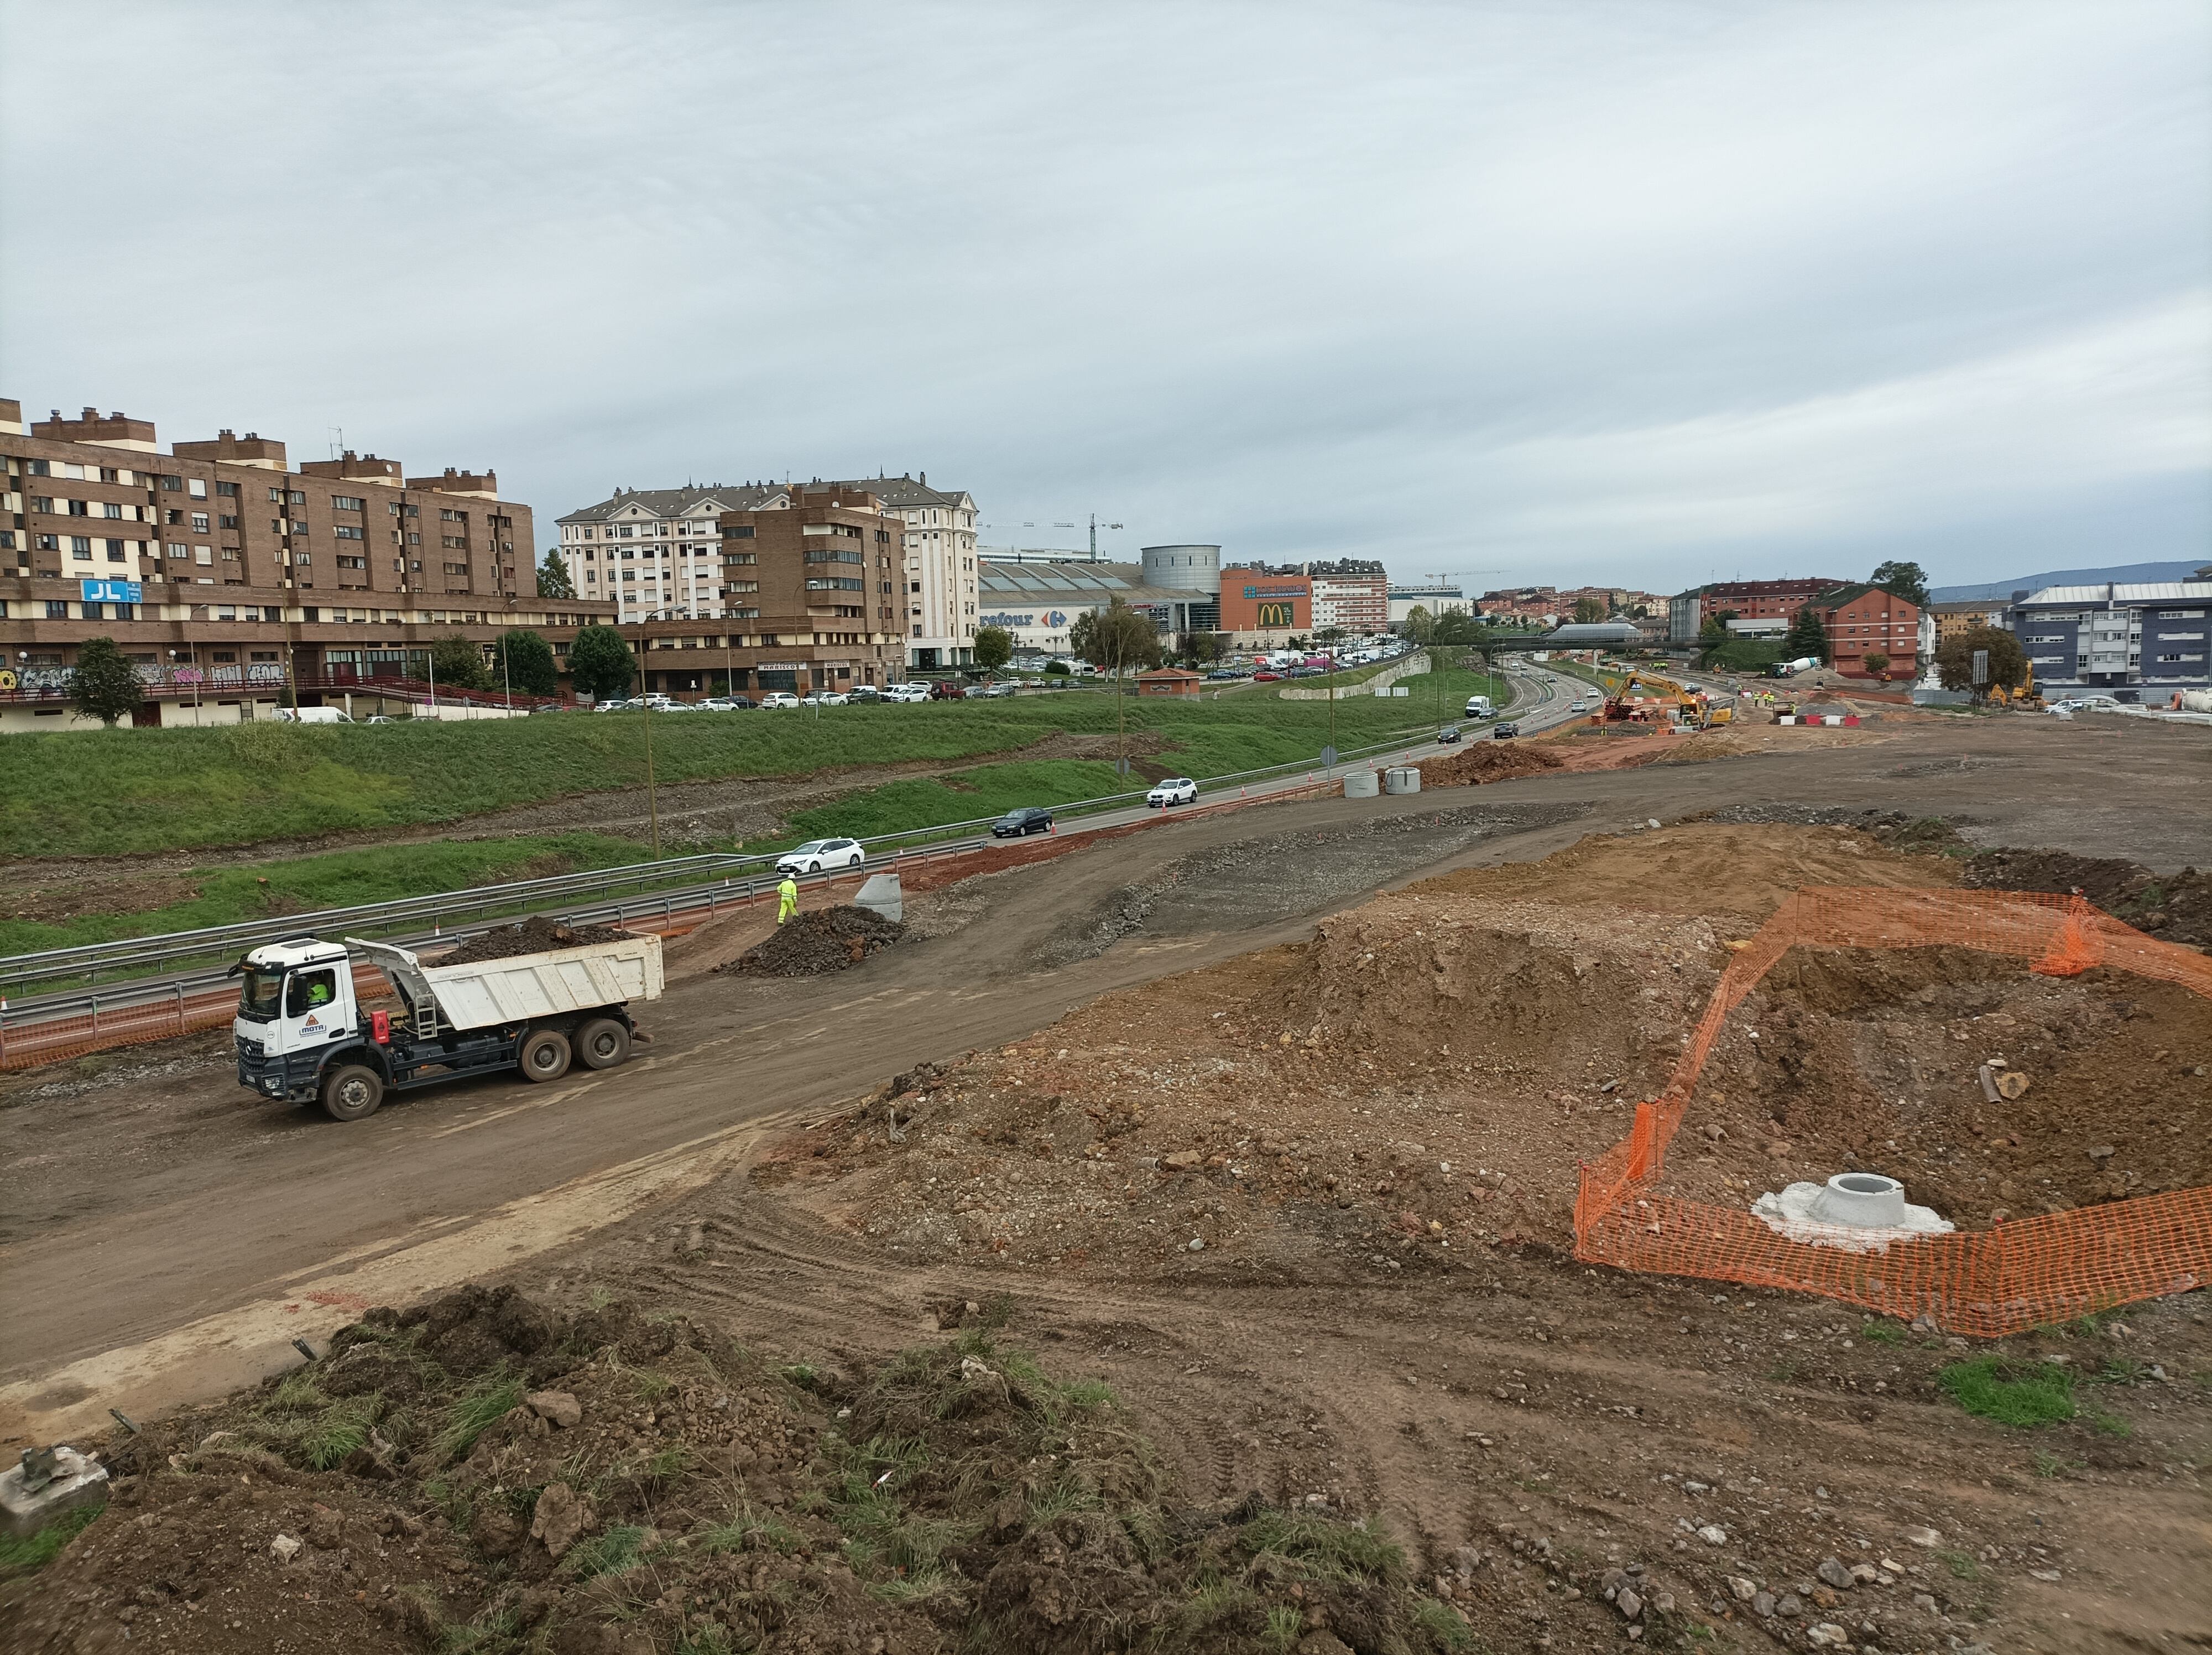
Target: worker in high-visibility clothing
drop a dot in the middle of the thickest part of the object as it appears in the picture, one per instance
(786, 899)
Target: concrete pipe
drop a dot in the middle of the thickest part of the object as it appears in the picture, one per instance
(1866, 1200)
(1362, 784)
(1403, 779)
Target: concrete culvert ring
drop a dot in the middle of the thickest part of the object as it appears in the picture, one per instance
(1870, 1201)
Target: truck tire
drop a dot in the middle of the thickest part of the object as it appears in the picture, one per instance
(544, 1055)
(602, 1043)
(352, 1091)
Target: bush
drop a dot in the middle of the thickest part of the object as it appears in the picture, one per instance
(103, 684)
(600, 663)
(2011, 1393)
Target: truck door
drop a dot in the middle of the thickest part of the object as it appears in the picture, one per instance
(315, 1008)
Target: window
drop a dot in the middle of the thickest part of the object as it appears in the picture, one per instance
(203, 556)
(45, 541)
(310, 991)
(834, 583)
(57, 608)
(80, 508)
(179, 550)
(738, 531)
(302, 559)
(227, 521)
(196, 487)
(348, 502)
(730, 558)
(456, 569)
(199, 522)
(115, 551)
(348, 531)
(414, 539)
(741, 586)
(230, 555)
(36, 468)
(43, 503)
(296, 497)
(352, 562)
(227, 488)
(110, 508)
(451, 541)
(447, 515)
(81, 547)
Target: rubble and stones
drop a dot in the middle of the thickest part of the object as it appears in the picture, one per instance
(535, 935)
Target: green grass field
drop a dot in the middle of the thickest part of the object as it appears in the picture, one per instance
(117, 792)
(338, 880)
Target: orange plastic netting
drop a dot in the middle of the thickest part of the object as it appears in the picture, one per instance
(2018, 1275)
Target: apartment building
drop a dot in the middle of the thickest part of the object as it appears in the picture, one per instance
(1864, 620)
(2143, 637)
(1351, 594)
(232, 577)
(1748, 600)
(813, 602)
(656, 554)
(941, 578)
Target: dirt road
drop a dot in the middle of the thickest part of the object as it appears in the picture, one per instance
(162, 1199)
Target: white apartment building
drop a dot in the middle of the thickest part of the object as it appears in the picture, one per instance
(656, 553)
(941, 567)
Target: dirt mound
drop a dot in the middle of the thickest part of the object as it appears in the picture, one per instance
(652, 1485)
(2172, 907)
(1487, 761)
(1740, 870)
(535, 935)
(1848, 1058)
(819, 940)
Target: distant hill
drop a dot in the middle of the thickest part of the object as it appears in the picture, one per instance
(2118, 574)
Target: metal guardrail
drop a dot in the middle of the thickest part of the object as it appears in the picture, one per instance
(447, 912)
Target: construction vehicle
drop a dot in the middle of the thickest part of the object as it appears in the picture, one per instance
(1666, 701)
(2024, 695)
(302, 1035)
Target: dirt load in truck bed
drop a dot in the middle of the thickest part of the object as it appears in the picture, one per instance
(535, 935)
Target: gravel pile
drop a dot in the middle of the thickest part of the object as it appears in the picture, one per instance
(535, 935)
(826, 940)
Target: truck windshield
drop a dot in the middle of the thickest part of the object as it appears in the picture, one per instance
(259, 998)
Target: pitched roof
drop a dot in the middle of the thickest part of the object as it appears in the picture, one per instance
(676, 502)
(901, 491)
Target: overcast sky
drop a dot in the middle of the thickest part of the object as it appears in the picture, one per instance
(1640, 293)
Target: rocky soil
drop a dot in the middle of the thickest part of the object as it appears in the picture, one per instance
(818, 939)
(536, 935)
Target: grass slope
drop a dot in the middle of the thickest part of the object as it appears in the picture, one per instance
(128, 790)
(339, 880)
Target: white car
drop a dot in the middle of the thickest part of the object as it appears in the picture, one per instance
(779, 698)
(612, 706)
(907, 694)
(834, 699)
(816, 855)
(1175, 790)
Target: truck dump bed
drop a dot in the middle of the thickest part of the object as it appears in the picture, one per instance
(528, 986)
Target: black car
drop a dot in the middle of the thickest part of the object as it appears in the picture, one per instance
(1450, 733)
(1505, 731)
(1015, 823)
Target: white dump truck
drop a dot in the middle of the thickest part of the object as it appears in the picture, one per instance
(300, 1034)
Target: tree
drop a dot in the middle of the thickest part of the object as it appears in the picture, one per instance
(1809, 636)
(1876, 663)
(459, 664)
(1329, 635)
(1905, 580)
(1588, 611)
(600, 663)
(524, 659)
(554, 580)
(1057, 669)
(1419, 624)
(995, 647)
(102, 684)
(1208, 646)
(1116, 638)
(1954, 660)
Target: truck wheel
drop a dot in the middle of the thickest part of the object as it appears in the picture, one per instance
(544, 1054)
(602, 1043)
(352, 1092)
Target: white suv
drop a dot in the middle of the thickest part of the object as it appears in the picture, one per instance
(816, 855)
(1175, 790)
(779, 698)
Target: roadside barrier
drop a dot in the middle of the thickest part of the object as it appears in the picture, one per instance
(2019, 1274)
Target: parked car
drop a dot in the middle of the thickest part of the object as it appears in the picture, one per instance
(380, 718)
(1030, 818)
(817, 854)
(907, 694)
(612, 706)
(779, 698)
(1505, 731)
(944, 690)
(996, 691)
(866, 692)
(1175, 790)
(1265, 677)
(834, 699)
(1216, 677)
(1450, 733)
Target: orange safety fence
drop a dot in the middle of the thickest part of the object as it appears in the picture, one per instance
(2019, 1274)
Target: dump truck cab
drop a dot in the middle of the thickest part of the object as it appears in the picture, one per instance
(295, 1004)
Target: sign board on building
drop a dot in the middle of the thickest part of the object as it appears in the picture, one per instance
(112, 591)
(1253, 602)
(1981, 664)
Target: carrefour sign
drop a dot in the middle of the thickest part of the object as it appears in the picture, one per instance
(1053, 618)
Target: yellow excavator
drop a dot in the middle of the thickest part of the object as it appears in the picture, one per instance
(1647, 698)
